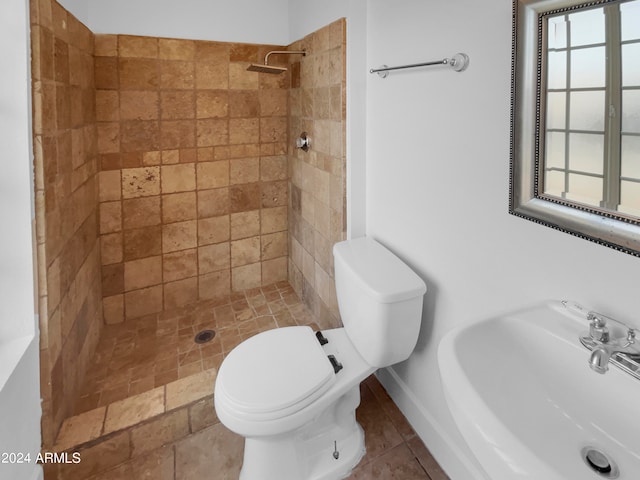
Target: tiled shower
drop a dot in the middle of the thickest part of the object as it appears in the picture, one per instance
(166, 176)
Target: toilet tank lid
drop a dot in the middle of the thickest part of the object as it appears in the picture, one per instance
(383, 275)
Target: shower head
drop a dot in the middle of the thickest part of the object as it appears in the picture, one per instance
(257, 67)
(266, 68)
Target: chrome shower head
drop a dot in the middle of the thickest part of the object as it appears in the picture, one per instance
(257, 67)
(266, 68)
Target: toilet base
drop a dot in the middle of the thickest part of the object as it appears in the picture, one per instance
(309, 453)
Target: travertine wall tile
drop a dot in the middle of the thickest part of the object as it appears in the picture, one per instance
(141, 212)
(316, 178)
(173, 49)
(140, 182)
(179, 236)
(212, 258)
(142, 273)
(212, 285)
(179, 265)
(178, 207)
(143, 302)
(180, 292)
(212, 203)
(142, 242)
(244, 170)
(178, 178)
(131, 46)
(274, 270)
(274, 245)
(69, 220)
(111, 248)
(139, 105)
(193, 153)
(273, 168)
(213, 174)
(213, 230)
(245, 224)
(245, 251)
(246, 276)
(244, 197)
(273, 219)
(113, 309)
(135, 74)
(110, 217)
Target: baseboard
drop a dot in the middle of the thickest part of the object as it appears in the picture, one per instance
(453, 461)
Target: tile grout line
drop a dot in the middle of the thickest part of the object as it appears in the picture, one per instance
(175, 461)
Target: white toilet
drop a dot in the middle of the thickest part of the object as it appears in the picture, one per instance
(293, 404)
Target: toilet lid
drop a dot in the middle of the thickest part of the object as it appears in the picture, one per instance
(280, 370)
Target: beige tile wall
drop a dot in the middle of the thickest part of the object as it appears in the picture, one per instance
(193, 181)
(66, 188)
(317, 178)
(163, 173)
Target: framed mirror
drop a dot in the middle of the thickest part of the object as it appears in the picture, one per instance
(575, 118)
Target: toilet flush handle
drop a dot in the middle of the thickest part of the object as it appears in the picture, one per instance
(337, 366)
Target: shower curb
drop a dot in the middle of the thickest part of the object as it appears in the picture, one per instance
(109, 450)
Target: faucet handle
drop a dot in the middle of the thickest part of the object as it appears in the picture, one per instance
(596, 320)
(631, 336)
(598, 330)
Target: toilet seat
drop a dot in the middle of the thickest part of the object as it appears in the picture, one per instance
(274, 374)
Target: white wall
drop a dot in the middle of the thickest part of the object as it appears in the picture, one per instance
(250, 21)
(437, 194)
(16, 267)
(19, 380)
(79, 8)
(307, 16)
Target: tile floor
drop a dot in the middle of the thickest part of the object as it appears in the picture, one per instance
(146, 353)
(169, 431)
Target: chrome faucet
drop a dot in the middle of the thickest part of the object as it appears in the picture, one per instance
(598, 330)
(621, 351)
(601, 354)
(599, 358)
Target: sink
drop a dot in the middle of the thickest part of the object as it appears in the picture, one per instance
(522, 394)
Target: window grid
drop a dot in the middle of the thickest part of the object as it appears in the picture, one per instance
(611, 174)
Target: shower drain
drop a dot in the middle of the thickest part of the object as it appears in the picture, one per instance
(600, 462)
(204, 336)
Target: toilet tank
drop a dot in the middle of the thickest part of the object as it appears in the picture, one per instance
(380, 300)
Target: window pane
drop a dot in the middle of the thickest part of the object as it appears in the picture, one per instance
(554, 155)
(585, 189)
(587, 27)
(557, 70)
(556, 109)
(588, 67)
(630, 156)
(630, 16)
(631, 111)
(587, 111)
(586, 152)
(557, 28)
(630, 197)
(631, 65)
(554, 183)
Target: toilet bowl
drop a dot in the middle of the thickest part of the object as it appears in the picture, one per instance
(292, 393)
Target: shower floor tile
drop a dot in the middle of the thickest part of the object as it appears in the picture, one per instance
(142, 354)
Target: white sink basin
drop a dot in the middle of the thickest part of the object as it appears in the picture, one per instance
(525, 400)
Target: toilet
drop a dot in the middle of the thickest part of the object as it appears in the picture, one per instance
(292, 393)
